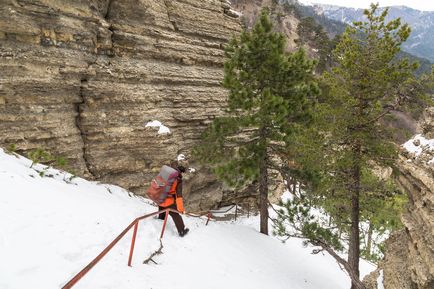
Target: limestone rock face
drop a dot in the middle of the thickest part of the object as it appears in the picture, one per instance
(82, 78)
(409, 257)
(418, 179)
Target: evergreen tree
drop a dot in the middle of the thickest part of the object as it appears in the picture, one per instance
(313, 35)
(367, 84)
(269, 91)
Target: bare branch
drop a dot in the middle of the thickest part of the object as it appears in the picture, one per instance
(158, 252)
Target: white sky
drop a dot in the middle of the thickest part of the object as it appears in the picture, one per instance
(424, 5)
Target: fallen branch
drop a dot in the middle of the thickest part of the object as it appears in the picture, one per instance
(158, 252)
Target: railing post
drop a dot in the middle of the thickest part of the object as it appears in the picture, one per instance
(133, 242)
(164, 224)
(209, 217)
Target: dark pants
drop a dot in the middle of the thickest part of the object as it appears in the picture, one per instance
(179, 223)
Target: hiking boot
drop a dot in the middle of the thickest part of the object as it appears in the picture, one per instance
(184, 232)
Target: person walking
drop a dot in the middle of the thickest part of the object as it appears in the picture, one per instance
(174, 200)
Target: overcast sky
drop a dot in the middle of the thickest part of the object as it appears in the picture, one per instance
(424, 5)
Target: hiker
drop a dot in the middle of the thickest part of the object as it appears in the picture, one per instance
(174, 201)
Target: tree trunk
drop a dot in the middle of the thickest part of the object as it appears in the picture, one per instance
(369, 242)
(354, 245)
(355, 280)
(263, 196)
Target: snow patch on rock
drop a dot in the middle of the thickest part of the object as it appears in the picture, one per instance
(419, 145)
(162, 129)
(180, 157)
(380, 279)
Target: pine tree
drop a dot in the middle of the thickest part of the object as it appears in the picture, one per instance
(366, 85)
(269, 98)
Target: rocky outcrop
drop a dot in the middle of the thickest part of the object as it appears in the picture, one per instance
(284, 21)
(409, 257)
(82, 78)
(419, 225)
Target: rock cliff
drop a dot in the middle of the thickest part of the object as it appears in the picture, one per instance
(82, 78)
(409, 257)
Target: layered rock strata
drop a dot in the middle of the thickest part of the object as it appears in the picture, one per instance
(409, 257)
(82, 78)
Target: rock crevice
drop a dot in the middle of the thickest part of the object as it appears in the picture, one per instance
(78, 123)
(167, 5)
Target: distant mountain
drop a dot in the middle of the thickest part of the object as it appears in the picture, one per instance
(331, 26)
(421, 40)
(306, 25)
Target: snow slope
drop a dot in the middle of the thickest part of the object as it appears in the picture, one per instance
(51, 227)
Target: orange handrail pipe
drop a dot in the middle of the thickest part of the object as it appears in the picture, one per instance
(134, 223)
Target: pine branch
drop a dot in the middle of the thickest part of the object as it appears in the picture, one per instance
(271, 205)
(389, 108)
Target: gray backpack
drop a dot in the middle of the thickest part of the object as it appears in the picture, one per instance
(161, 184)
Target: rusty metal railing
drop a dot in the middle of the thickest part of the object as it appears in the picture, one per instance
(98, 258)
(225, 211)
(135, 223)
(209, 213)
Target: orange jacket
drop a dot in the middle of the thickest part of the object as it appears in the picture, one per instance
(171, 196)
(175, 195)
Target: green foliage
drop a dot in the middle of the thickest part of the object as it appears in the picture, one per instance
(335, 28)
(12, 148)
(424, 64)
(363, 88)
(340, 155)
(417, 106)
(382, 216)
(381, 207)
(367, 83)
(61, 162)
(312, 34)
(269, 99)
(332, 27)
(40, 155)
(291, 9)
(295, 219)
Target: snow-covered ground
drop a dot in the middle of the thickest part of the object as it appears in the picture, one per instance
(53, 226)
